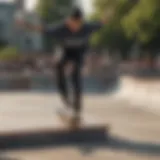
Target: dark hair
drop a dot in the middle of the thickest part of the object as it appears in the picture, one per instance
(76, 14)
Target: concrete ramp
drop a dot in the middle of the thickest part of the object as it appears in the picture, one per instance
(140, 92)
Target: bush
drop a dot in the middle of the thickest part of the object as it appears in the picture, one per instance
(9, 53)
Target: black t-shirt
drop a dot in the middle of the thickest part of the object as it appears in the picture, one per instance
(68, 40)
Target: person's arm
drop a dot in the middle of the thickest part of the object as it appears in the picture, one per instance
(51, 29)
(95, 26)
(28, 26)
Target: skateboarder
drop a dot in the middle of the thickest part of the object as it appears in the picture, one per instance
(73, 35)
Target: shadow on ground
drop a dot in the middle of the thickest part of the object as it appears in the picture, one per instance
(110, 142)
(147, 73)
(116, 143)
(91, 85)
(7, 158)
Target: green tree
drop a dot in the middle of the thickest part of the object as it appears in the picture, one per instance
(45, 9)
(112, 36)
(143, 20)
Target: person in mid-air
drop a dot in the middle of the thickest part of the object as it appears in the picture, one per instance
(73, 37)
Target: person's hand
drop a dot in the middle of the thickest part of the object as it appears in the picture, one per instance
(104, 20)
(107, 17)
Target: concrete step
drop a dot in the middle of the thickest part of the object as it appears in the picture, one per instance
(22, 132)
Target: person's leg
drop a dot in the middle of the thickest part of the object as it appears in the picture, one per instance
(61, 82)
(76, 82)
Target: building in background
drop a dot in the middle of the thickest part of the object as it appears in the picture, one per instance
(28, 41)
(7, 11)
(10, 34)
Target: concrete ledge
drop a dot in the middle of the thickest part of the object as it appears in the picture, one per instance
(90, 131)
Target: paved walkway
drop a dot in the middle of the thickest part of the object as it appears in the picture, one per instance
(135, 131)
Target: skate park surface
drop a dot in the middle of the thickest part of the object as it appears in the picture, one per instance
(132, 112)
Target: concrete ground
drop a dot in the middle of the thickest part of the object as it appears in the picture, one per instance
(133, 113)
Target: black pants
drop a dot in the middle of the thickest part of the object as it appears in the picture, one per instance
(76, 60)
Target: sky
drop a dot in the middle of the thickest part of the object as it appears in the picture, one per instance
(31, 3)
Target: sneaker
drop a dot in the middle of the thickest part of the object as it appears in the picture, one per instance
(75, 122)
(68, 116)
